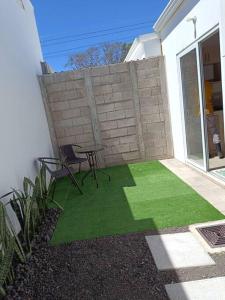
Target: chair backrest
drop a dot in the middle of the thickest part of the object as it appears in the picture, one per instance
(49, 161)
(67, 152)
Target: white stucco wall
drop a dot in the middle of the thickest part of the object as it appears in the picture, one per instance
(144, 46)
(177, 35)
(152, 48)
(137, 53)
(23, 125)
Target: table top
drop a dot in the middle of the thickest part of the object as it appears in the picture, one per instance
(90, 149)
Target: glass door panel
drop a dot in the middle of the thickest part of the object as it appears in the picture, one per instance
(192, 111)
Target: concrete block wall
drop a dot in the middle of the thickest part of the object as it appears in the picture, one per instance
(122, 106)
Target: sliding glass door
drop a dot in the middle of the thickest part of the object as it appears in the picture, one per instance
(193, 112)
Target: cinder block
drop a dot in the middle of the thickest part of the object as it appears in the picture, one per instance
(60, 132)
(69, 95)
(102, 117)
(112, 142)
(119, 87)
(129, 113)
(74, 75)
(64, 123)
(126, 122)
(75, 130)
(105, 108)
(131, 155)
(149, 109)
(106, 79)
(131, 130)
(113, 97)
(123, 148)
(153, 118)
(162, 117)
(155, 91)
(98, 71)
(147, 82)
(150, 100)
(87, 128)
(128, 139)
(59, 106)
(81, 121)
(55, 97)
(56, 87)
(125, 77)
(47, 79)
(75, 84)
(108, 125)
(113, 159)
(68, 114)
(124, 105)
(160, 142)
(134, 147)
(76, 103)
(102, 90)
(67, 140)
(57, 115)
(117, 132)
(118, 68)
(84, 138)
(148, 141)
(85, 111)
(156, 151)
(120, 96)
(115, 115)
(100, 99)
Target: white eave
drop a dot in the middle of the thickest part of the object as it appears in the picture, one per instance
(133, 47)
(139, 40)
(167, 14)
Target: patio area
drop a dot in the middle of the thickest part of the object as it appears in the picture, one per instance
(111, 242)
(140, 197)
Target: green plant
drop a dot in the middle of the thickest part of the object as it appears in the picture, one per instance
(22, 205)
(29, 206)
(9, 246)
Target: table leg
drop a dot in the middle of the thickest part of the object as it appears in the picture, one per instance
(93, 164)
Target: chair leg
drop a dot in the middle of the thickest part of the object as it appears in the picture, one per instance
(79, 167)
(75, 183)
(72, 178)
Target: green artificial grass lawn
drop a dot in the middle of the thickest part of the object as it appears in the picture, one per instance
(140, 197)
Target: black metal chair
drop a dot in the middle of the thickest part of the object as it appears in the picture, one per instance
(70, 157)
(62, 170)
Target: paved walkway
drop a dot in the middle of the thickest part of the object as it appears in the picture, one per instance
(182, 252)
(203, 184)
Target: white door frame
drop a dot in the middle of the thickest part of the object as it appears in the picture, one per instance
(196, 45)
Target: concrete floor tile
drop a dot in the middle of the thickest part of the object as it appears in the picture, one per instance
(205, 289)
(178, 250)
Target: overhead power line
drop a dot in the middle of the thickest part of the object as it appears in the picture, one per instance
(93, 32)
(95, 36)
(66, 51)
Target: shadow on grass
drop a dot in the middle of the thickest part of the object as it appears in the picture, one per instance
(140, 197)
(99, 212)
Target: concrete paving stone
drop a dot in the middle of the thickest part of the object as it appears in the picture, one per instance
(205, 289)
(178, 250)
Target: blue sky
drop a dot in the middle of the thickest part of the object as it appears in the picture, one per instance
(70, 26)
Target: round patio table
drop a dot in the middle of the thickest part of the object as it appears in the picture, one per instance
(91, 153)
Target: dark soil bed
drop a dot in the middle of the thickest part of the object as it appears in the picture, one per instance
(114, 268)
(118, 267)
